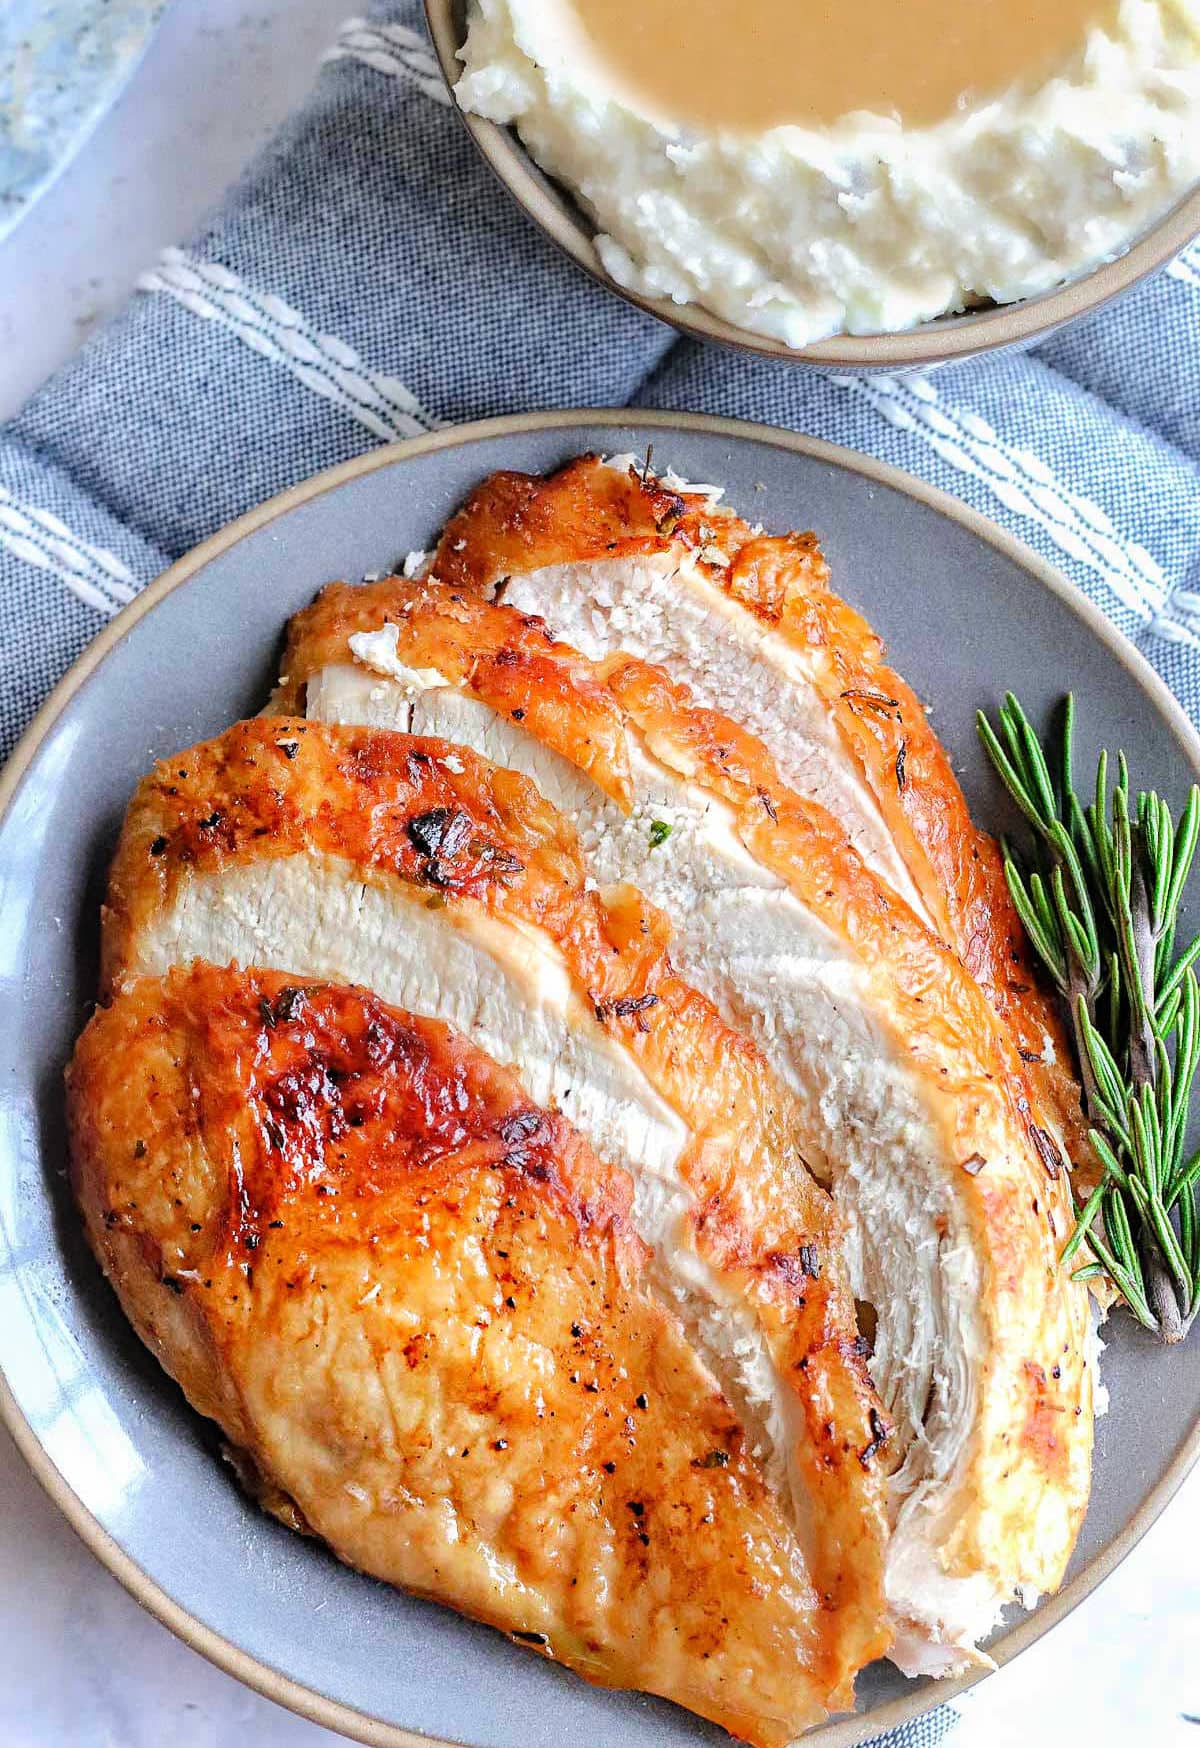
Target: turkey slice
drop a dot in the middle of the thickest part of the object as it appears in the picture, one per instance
(617, 562)
(454, 890)
(415, 1303)
(908, 1092)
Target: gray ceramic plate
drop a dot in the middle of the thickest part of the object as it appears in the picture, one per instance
(966, 611)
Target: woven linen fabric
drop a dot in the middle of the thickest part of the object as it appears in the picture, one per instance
(366, 280)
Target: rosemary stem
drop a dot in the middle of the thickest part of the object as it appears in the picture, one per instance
(1142, 1057)
(1098, 892)
(1160, 1294)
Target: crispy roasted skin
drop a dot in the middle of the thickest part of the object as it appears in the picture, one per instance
(280, 787)
(1027, 1483)
(519, 522)
(506, 659)
(415, 1305)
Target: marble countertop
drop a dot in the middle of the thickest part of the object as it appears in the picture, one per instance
(81, 1666)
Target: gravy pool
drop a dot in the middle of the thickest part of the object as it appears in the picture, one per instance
(754, 64)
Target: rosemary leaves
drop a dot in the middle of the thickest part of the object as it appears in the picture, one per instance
(1099, 896)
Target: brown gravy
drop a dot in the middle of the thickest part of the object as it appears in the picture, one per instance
(752, 64)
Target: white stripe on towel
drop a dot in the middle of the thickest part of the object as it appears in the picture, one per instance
(322, 362)
(97, 577)
(1023, 483)
(1179, 621)
(392, 49)
(1186, 266)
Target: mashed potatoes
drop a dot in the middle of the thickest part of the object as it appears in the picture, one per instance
(867, 224)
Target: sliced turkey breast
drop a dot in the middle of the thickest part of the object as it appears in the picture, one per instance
(617, 562)
(456, 891)
(908, 1092)
(415, 1303)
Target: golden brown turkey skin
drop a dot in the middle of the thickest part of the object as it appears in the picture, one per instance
(588, 512)
(415, 1303)
(1025, 1443)
(505, 659)
(446, 829)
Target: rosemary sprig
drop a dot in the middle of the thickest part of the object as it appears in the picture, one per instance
(1099, 897)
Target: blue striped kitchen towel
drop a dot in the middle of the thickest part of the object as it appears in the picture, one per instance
(365, 281)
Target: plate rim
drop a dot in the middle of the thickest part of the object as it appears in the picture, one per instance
(234, 1659)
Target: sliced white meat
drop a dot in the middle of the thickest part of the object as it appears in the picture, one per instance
(776, 971)
(507, 988)
(661, 608)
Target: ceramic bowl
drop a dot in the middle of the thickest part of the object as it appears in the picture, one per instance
(948, 340)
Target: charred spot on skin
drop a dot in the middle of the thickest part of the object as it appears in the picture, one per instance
(526, 1135)
(628, 1007)
(283, 1010)
(973, 1164)
(1050, 1156)
(769, 807)
(879, 1434)
(158, 847)
(796, 1267)
(441, 832)
(901, 776)
(530, 1638)
(499, 861)
(714, 1459)
(666, 522)
(860, 699)
(523, 1126)
(289, 748)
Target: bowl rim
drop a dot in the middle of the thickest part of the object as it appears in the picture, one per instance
(284, 1690)
(943, 340)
